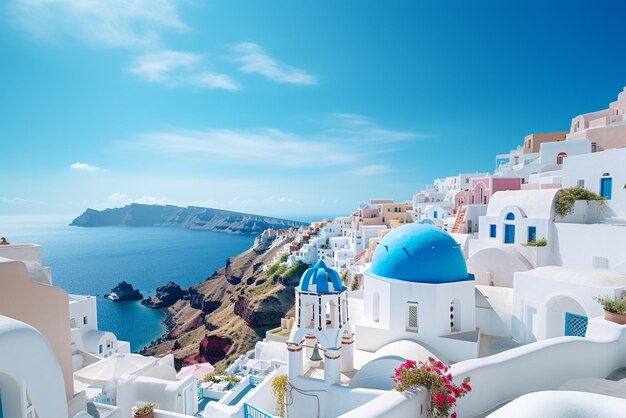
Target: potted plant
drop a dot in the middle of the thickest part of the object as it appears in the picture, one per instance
(434, 376)
(279, 390)
(614, 308)
(146, 411)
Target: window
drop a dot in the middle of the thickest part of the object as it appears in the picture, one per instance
(594, 147)
(560, 157)
(606, 186)
(580, 183)
(481, 195)
(100, 349)
(435, 215)
(532, 233)
(510, 216)
(412, 316)
(492, 230)
(85, 320)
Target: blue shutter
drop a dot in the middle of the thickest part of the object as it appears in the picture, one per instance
(575, 325)
(492, 230)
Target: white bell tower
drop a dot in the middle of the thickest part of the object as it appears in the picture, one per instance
(322, 325)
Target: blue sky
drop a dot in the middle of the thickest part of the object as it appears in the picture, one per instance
(282, 107)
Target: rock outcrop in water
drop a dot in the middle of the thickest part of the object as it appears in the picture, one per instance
(169, 294)
(191, 217)
(124, 292)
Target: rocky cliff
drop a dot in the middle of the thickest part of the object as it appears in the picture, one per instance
(230, 311)
(191, 217)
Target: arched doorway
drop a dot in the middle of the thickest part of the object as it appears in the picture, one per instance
(565, 316)
(559, 158)
(509, 228)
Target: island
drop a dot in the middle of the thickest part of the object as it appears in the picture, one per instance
(191, 217)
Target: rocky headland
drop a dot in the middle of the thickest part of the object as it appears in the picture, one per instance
(191, 217)
(224, 316)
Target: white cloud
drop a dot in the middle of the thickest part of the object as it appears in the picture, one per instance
(84, 167)
(118, 199)
(366, 130)
(175, 68)
(371, 170)
(254, 59)
(111, 23)
(151, 200)
(271, 147)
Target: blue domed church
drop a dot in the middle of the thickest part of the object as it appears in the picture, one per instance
(418, 289)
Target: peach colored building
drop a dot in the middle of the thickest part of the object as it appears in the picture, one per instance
(532, 142)
(395, 214)
(26, 294)
(605, 128)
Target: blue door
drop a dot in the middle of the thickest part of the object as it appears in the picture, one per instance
(575, 325)
(509, 234)
(435, 215)
(606, 187)
(532, 233)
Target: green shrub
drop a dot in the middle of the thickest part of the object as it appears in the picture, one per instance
(565, 199)
(537, 243)
(355, 283)
(344, 277)
(283, 258)
(297, 269)
(273, 269)
(616, 306)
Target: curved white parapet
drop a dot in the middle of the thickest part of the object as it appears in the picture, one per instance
(541, 366)
(413, 404)
(28, 366)
(562, 404)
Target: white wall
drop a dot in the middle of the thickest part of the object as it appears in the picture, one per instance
(550, 299)
(590, 167)
(433, 314)
(544, 365)
(28, 364)
(578, 244)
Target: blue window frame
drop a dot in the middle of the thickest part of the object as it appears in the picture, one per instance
(100, 349)
(492, 230)
(510, 216)
(606, 187)
(532, 233)
(435, 215)
(509, 234)
(575, 325)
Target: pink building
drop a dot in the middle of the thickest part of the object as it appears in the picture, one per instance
(483, 188)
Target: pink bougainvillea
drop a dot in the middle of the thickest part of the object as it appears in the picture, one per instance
(434, 376)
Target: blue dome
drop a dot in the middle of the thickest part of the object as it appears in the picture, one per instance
(320, 279)
(420, 253)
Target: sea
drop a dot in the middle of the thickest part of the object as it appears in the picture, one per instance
(91, 261)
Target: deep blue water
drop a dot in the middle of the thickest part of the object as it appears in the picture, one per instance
(93, 260)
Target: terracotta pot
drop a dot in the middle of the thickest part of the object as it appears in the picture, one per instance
(148, 415)
(617, 318)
